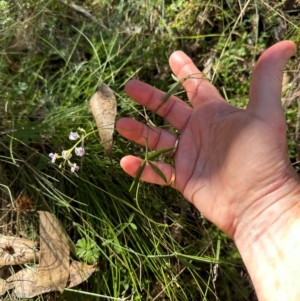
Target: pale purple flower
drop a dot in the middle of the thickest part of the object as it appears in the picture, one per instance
(73, 136)
(74, 167)
(66, 154)
(79, 151)
(53, 157)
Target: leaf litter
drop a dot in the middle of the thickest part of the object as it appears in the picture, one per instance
(17, 250)
(54, 271)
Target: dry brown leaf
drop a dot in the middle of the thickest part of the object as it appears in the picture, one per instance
(17, 250)
(103, 106)
(53, 271)
(24, 283)
(3, 287)
(79, 272)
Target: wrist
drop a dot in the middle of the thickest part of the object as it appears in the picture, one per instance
(272, 213)
(270, 245)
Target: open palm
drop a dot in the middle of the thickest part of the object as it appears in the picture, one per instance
(228, 161)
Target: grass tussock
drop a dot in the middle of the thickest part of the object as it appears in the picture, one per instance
(150, 244)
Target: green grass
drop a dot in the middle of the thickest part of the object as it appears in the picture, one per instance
(149, 245)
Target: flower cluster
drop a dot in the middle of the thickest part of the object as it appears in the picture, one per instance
(66, 155)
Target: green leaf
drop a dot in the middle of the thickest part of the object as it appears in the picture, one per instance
(118, 249)
(173, 88)
(159, 152)
(80, 253)
(174, 77)
(198, 258)
(81, 243)
(106, 242)
(138, 176)
(158, 171)
(133, 226)
(131, 217)
(188, 264)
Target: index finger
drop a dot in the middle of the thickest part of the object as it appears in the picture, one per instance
(174, 110)
(199, 90)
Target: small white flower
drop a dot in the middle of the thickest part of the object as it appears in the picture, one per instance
(66, 154)
(79, 151)
(73, 136)
(53, 157)
(74, 167)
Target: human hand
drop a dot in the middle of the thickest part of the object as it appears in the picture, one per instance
(228, 161)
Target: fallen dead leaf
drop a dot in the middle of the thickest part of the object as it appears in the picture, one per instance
(103, 106)
(53, 271)
(24, 283)
(3, 287)
(79, 272)
(17, 250)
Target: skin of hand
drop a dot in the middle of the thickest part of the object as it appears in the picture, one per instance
(231, 163)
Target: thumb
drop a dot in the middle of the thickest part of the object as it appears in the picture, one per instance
(266, 82)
